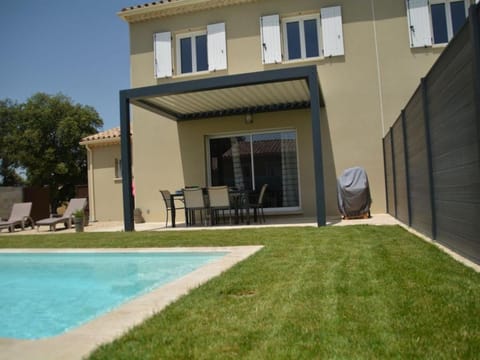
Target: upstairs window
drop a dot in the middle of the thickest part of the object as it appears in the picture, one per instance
(435, 21)
(192, 54)
(447, 18)
(301, 37)
(198, 51)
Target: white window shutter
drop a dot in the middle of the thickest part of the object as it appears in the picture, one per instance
(217, 47)
(271, 43)
(332, 31)
(163, 54)
(419, 23)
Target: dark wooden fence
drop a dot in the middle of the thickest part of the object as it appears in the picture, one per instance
(432, 152)
(39, 196)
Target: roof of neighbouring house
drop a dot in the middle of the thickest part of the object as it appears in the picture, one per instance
(107, 136)
(164, 8)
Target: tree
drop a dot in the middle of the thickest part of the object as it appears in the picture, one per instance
(46, 139)
(8, 165)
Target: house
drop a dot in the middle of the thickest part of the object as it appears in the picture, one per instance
(104, 175)
(289, 93)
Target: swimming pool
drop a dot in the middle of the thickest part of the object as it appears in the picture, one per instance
(46, 294)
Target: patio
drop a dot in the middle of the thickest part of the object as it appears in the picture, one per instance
(276, 221)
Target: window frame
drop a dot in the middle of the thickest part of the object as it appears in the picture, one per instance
(303, 49)
(192, 36)
(118, 169)
(448, 15)
(277, 210)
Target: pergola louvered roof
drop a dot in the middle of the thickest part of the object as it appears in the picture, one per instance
(274, 96)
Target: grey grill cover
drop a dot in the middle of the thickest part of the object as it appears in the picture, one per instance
(353, 192)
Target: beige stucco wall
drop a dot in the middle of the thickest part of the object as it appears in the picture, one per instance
(156, 160)
(364, 92)
(401, 68)
(104, 188)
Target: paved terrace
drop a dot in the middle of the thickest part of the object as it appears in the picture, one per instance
(277, 221)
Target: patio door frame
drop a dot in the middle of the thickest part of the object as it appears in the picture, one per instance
(277, 210)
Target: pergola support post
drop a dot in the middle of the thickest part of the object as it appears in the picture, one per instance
(126, 151)
(314, 88)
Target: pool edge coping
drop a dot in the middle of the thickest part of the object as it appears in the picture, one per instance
(81, 341)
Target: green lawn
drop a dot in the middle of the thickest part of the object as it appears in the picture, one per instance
(359, 292)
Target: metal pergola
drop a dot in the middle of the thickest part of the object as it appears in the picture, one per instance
(265, 91)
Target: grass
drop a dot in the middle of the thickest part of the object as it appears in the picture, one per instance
(357, 292)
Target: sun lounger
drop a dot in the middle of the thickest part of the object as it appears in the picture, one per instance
(67, 217)
(19, 216)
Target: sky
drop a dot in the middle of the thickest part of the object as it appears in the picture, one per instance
(79, 48)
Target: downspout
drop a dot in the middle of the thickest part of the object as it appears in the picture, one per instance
(379, 74)
(91, 183)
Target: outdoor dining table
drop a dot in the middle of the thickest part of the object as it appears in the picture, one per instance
(239, 198)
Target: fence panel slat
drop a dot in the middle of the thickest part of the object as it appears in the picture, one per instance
(400, 172)
(387, 148)
(421, 216)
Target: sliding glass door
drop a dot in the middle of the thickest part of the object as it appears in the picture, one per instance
(248, 161)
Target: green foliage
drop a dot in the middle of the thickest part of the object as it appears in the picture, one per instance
(79, 214)
(44, 140)
(8, 164)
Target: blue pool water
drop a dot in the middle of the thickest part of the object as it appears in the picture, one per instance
(46, 294)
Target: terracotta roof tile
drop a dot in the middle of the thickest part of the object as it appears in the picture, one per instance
(140, 6)
(110, 134)
(166, 8)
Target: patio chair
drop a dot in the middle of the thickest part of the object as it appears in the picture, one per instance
(169, 204)
(219, 201)
(67, 217)
(194, 201)
(258, 206)
(19, 215)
